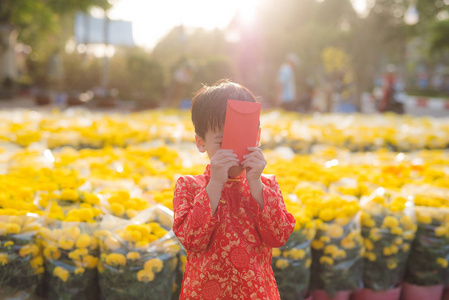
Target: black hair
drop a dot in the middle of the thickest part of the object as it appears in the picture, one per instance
(209, 104)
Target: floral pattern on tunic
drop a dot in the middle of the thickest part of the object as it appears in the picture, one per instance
(229, 254)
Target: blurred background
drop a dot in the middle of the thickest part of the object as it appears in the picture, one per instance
(95, 130)
(144, 54)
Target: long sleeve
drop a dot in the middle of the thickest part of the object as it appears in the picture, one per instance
(274, 222)
(193, 222)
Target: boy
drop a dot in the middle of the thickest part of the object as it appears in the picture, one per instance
(228, 219)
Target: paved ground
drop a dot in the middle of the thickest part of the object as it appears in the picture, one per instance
(412, 107)
(426, 111)
(28, 103)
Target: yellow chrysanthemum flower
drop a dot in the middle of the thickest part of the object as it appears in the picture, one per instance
(66, 243)
(52, 253)
(145, 275)
(316, 244)
(83, 241)
(69, 195)
(154, 264)
(327, 215)
(112, 243)
(61, 273)
(370, 256)
(90, 261)
(32, 250)
(296, 254)
(281, 263)
(133, 255)
(391, 264)
(79, 271)
(37, 262)
(326, 260)
(9, 244)
(442, 262)
(390, 222)
(441, 230)
(11, 228)
(335, 231)
(3, 258)
(424, 219)
(276, 252)
(118, 209)
(116, 259)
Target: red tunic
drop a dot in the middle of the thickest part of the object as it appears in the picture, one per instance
(229, 254)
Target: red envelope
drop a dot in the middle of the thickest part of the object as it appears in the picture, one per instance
(241, 128)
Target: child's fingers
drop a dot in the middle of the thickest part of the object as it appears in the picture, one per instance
(253, 167)
(230, 164)
(254, 152)
(252, 159)
(225, 160)
(254, 155)
(224, 153)
(225, 150)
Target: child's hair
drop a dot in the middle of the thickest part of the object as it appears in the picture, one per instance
(209, 104)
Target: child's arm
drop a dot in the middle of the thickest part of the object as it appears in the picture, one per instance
(220, 163)
(274, 222)
(194, 223)
(255, 163)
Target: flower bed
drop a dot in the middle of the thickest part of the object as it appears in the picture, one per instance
(56, 203)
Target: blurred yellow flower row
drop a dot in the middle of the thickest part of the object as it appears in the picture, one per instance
(82, 129)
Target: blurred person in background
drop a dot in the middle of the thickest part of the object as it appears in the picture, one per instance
(56, 71)
(305, 101)
(392, 96)
(182, 78)
(286, 91)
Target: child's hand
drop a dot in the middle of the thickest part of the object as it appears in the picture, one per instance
(220, 163)
(254, 163)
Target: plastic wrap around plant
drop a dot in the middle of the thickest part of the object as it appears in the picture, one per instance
(179, 273)
(138, 256)
(291, 265)
(337, 250)
(71, 257)
(388, 228)
(21, 262)
(428, 260)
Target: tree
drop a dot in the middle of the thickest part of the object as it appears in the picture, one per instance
(30, 22)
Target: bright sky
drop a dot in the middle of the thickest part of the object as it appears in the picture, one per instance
(153, 19)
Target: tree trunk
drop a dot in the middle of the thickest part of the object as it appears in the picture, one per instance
(8, 65)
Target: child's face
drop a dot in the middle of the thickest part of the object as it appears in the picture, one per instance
(211, 144)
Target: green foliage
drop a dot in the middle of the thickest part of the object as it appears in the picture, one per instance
(382, 270)
(439, 36)
(78, 286)
(37, 18)
(292, 267)
(340, 268)
(136, 75)
(428, 247)
(121, 282)
(304, 27)
(81, 73)
(213, 68)
(17, 276)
